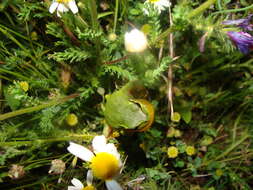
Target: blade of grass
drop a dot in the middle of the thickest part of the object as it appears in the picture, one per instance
(36, 108)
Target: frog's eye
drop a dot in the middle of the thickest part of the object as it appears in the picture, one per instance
(148, 109)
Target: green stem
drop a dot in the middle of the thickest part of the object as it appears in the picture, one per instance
(236, 157)
(13, 39)
(192, 14)
(232, 147)
(234, 10)
(36, 108)
(83, 21)
(18, 34)
(40, 141)
(1, 91)
(14, 74)
(116, 15)
(201, 8)
(95, 24)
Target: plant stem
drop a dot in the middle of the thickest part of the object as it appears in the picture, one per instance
(201, 8)
(95, 25)
(170, 70)
(116, 15)
(36, 108)
(233, 146)
(40, 141)
(233, 10)
(236, 157)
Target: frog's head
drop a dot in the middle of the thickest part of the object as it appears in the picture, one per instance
(127, 109)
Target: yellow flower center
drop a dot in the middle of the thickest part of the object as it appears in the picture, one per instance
(153, 1)
(63, 1)
(89, 187)
(105, 166)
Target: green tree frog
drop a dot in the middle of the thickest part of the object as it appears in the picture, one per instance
(127, 109)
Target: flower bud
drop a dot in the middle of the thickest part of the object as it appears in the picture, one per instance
(72, 119)
(16, 171)
(57, 167)
(112, 37)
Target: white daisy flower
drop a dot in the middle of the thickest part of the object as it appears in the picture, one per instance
(62, 6)
(78, 184)
(160, 5)
(135, 41)
(104, 161)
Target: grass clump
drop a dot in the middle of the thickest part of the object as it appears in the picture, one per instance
(185, 84)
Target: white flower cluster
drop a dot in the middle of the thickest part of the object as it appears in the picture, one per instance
(105, 162)
(159, 5)
(62, 6)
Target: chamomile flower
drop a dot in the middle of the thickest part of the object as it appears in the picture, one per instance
(104, 161)
(135, 41)
(159, 5)
(79, 186)
(62, 6)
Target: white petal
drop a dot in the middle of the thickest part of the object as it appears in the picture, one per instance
(73, 7)
(58, 14)
(73, 188)
(110, 148)
(62, 8)
(80, 151)
(89, 177)
(112, 185)
(53, 7)
(77, 183)
(99, 143)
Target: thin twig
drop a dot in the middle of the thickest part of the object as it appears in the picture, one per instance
(116, 61)
(170, 70)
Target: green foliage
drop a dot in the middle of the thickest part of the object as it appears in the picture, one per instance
(67, 60)
(71, 55)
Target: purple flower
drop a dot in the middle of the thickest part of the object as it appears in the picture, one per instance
(244, 23)
(242, 40)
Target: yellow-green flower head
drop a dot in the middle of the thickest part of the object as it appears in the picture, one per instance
(177, 133)
(71, 119)
(171, 132)
(219, 172)
(24, 85)
(190, 150)
(112, 37)
(105, 162)
(135, 41)
(62, 6)
(172, 152)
